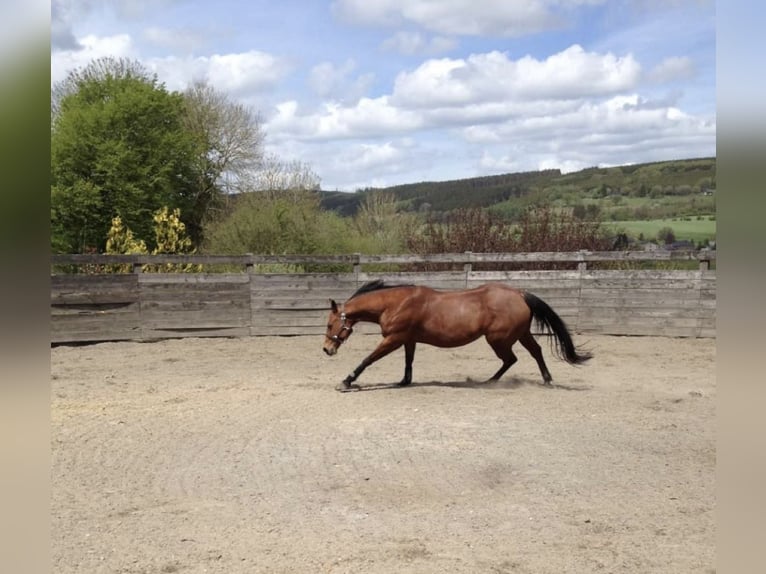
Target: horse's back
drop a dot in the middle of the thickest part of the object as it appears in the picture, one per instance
(455, 317)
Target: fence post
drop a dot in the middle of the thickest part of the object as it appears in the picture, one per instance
(357, 267)
(249, 265)
(467, 266)
(582, 265)
(138, 268)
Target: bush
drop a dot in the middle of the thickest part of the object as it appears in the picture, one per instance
(481, 231)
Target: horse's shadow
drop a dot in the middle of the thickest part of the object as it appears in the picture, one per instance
(508, 384)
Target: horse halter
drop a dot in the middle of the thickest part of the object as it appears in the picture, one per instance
(343, 327)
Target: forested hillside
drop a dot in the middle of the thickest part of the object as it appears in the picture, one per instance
(512, 193)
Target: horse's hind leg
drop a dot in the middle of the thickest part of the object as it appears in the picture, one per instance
(504, 350)
(409, 356)
(534, 349)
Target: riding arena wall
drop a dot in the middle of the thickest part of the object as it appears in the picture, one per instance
(595, 292)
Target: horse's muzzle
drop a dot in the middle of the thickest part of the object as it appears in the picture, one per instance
(331, 351)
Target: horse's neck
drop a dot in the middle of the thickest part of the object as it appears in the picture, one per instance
(367, 307)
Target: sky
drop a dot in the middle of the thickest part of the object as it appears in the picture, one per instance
(372, 93)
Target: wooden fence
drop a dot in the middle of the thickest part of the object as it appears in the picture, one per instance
(146, 306)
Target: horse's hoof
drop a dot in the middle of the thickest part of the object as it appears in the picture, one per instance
(346, 387)
(403, 383)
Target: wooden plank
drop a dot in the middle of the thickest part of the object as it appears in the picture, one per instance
(150, 333)
(199, 305)
(303, 282)
(438, 279)
(640, 297)
(515, 276)
(95, 327)
(638, 313)
(94, 308)
(203, 280)
(291, 304)
(93, 289)
(350, 259)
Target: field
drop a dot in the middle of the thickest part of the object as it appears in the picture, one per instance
(237, 455)
(696, 230)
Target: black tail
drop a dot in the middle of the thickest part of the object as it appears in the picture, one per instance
(547, 319)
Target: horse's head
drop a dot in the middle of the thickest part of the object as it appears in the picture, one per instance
(339, 328)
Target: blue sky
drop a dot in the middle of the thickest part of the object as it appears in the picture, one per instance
(381, 92)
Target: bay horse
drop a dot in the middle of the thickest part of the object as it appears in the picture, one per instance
(411, 314)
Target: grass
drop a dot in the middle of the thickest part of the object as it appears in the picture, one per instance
(696, 230)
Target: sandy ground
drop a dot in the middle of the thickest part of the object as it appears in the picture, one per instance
(219, 455)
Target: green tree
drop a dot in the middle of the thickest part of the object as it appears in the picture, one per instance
(118, 147)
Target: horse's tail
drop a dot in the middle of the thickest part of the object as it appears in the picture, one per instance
(548, 320)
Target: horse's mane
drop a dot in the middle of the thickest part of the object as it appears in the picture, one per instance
(376, 285)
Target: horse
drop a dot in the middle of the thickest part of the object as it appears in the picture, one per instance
(411, 314)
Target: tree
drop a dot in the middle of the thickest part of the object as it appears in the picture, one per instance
(118, 147)
(278, 178)
(666, 235)
(230, 148)
(380, 223)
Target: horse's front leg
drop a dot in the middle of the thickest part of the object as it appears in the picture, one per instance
(386, 346)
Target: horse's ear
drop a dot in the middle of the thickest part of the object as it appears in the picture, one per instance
(333, 306)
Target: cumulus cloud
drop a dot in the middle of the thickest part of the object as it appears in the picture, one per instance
(572, 73)
(251, 71)
(462, 17)
(370, 117)
(239, 73)
(574, 97)
(604, 129)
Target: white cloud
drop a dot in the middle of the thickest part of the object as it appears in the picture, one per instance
(572, 73)
(367, 156)
(572, 99)
(368, 118)
(238, 74)
(603, 129)
(462, 17)
(251, 71)
(90, 48)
